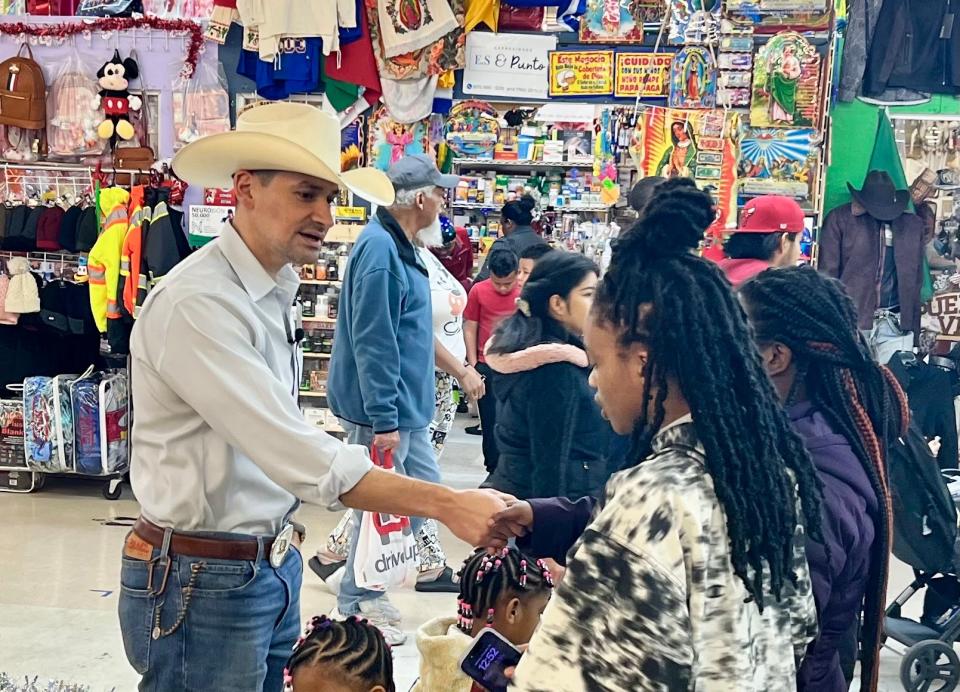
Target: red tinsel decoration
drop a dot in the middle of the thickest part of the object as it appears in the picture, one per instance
(88, 26)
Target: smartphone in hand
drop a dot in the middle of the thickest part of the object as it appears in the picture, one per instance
(488, 657)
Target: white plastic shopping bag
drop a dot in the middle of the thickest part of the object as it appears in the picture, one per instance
(386, 548)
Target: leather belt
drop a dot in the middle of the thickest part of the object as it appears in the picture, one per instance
(246, 549)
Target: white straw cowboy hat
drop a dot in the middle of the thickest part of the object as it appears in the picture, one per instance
(293, 137)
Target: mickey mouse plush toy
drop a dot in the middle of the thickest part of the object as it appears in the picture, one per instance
(114, 79)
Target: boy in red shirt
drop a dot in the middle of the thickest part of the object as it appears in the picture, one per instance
(489, 302)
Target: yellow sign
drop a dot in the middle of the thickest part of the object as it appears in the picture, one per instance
(351, 214)
(646, 74)
(581, 73)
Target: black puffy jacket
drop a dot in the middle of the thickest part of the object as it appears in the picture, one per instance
(551, 436)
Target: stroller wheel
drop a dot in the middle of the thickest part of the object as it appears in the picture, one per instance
(930, 666)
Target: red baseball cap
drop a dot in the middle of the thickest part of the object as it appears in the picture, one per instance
(771, 214)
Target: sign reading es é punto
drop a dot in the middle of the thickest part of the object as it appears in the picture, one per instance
(507, 65)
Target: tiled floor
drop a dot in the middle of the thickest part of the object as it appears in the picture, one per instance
(59, 572)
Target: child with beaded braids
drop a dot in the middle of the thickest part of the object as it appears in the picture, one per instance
(505, 590)
(692, 573)
(340, 656)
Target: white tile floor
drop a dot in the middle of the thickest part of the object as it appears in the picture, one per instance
(59, 571)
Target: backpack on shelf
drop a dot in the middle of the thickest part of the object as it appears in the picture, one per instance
(23, 94)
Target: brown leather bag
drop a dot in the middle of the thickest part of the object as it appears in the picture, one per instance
(23, 92)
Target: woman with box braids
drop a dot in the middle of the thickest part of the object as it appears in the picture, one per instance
(806, 327)
(351, 653)
(694, 559)
(659, 293)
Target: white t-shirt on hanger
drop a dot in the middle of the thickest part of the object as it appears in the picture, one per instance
(449, 300)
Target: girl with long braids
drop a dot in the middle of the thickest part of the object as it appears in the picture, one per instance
(846, 408)
(692, 574)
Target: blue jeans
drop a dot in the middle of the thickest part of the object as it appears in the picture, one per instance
(414, 458)
(238, 632)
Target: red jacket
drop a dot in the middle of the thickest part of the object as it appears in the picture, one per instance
(460, 261)
(739, 271)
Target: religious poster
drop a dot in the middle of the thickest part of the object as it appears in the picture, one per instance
(786, 83)
(693, 79)
(389, 141)
(352, 145)
(472, 129)
(646, 75)
(698, 144)
(775, 161)
(612, 21)
(581, 73)
(694, 21)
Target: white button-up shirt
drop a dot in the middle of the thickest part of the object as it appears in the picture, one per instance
(219, 443)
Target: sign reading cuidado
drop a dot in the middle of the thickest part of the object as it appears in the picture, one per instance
(946, 308)
(507, 65)
(646, 75)
(581, 73)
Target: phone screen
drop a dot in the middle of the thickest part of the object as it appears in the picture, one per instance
(488, 656)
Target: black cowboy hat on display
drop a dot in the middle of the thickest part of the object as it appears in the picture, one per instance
(880, 197)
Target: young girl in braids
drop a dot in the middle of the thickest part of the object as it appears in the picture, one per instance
(692, 574)
(846, 408)
(340, 656)
(505, 590)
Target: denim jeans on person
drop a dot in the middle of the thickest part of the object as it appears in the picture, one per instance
(238, 631)
(414, 458)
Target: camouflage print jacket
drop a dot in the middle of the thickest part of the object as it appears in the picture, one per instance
(650, 600)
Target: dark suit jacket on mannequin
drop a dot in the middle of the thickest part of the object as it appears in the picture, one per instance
(851, 249)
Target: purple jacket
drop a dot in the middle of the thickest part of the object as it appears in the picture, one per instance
(849, 509)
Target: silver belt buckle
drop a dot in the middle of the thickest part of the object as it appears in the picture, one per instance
(281, 546)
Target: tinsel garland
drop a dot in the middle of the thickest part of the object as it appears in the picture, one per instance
(47, 33)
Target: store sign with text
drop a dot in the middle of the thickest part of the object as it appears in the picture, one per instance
(581, 73)
(207, 220)
(646, 75)
(945, 307)
(507, 65)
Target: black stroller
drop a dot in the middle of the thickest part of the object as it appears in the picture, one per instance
(925, 536)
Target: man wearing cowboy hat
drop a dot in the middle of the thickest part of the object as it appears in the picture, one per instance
(222, 455)
(874, 245)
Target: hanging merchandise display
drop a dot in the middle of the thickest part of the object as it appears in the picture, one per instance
(615, 21)
(694, 144)
(786, 83)
(693, 79)
(694, 21)
(472, 129)
(779, 162)
(115, 100)
(446, 53)
(71, 124)
(390, 140)
(353, 145)
(201, 105)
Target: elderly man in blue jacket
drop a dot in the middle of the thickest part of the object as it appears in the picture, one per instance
(381, 385)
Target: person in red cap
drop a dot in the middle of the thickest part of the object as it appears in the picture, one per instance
(768, 236)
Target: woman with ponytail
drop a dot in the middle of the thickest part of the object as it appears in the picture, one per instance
(550, 434)
(692, 574)
(846, 408)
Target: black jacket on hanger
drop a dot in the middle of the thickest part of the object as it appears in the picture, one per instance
(916, 45)
(930, 392)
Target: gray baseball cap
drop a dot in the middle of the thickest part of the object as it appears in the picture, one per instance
(419, 170)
